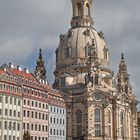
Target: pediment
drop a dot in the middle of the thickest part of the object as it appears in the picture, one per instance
(7, 69)
(123, 98)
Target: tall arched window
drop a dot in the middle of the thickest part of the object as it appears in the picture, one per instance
(97, 115)
(79, 122)
(122, 120)
(79, 116)
(79, 9)
(87, 9)
(109, 116)
(68, 52)
(86, 51)
(97, 122)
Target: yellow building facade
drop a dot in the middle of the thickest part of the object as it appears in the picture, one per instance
(100, 105)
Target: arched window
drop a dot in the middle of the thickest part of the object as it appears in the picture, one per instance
(79, 122)
(79, 116)
(97, 115)
(109, 122)
(105, 52)
(68, 52)
(122, 120)
(86, 51)
(109, 116)
(79, 9)
(97, 122)
(87, 9)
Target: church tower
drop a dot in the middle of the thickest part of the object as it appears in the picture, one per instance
(95, 109)
(40, 71)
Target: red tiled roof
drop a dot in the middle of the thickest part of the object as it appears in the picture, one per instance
(22, 73)
(2, 71)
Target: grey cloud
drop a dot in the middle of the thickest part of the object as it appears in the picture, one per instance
(42, 22)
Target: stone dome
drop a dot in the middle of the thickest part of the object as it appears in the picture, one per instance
(78, 44)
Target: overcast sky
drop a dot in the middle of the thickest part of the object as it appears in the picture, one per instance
(27, 25)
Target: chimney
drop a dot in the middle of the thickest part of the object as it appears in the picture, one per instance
(17, 67)
(26, 70)
(10, 64)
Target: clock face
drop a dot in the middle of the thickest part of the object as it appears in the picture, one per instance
(98, 97)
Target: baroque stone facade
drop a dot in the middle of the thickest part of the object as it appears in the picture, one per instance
(99, 104)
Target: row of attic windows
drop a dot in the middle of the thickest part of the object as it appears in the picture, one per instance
(13, 79)
(56, 100)
(10, 88)
(15, 89)
(35, 92)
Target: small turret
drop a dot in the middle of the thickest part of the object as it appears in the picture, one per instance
(123, 76)
(40, 71)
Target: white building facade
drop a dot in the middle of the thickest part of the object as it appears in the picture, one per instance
(10, 107)
(57, 118)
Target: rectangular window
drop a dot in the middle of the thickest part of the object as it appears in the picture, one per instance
(39, 115)
(10, 100)
(18, 127)
(35, 127)
(43, 106)
(14, 126)
(36, 104)
(79, 130)
(97, 130)
(18, 102)
(36, 115)
(32, 103)
(5, 125)
(10, 113)
(10, 125)
(0, 99)
(14, 113)
(0, 112)
(28, 126)
(24, 113)
(28, 114)
(15, 101)
(18, 114)
(32, 126)
(6, 111)
(6, 99)
(28, 102)
(24, 126)
(109, 127)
